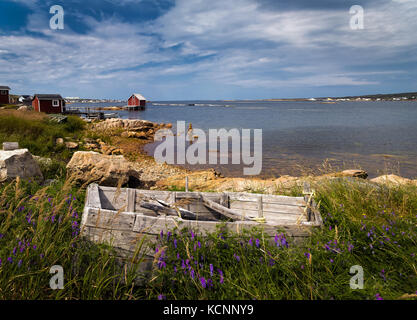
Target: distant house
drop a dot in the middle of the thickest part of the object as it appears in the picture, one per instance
(48, 103)
(4, 95)
(136, 99)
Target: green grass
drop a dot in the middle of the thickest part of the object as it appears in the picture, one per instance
(37, 133)
(39, 228)
(372, 227)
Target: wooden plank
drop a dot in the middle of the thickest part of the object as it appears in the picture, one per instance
(107, 219)
(162, 210)
(224, 200)
(196, 195)
(93, 196)
(112, 200)
(131, 200)
(260, 207)
(267, 207)
(126, 240)
(223, 210)
(152, 225)
(284, 200)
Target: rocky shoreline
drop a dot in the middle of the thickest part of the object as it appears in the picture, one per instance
(134, 134)
(111, 153)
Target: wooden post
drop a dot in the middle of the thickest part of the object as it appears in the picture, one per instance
(260, 207)
(186, 184)
(224, 200)
(131, 199)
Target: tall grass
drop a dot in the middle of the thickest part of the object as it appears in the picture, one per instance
(40, 228)
(36, 132)
(364, 225)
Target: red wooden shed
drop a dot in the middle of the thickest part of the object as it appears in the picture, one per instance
(136, 99)
(4, 95)
(48, 103)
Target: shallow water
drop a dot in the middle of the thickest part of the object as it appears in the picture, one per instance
(299, 137)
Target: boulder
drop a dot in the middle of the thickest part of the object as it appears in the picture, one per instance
(71, 145)
(88, 167)
(18, 163)
(392, 179)
(23, 108)
(125, 124)
(355, 173)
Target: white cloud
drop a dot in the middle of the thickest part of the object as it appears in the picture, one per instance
(236, 42)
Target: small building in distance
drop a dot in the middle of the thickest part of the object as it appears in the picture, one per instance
(136, 100)
(25, 100)
(48, 103)
(4, 95)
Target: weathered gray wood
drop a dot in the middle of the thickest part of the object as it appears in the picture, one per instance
(111, 220)
(260, 207)
(159, 209)
(10, 146)
(223, 210)
(267, 207)
(113, 199)
(224, 200)
(284, 200)
(93, 196)
(131, 200)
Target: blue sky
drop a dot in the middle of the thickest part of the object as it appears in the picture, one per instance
(208, 49)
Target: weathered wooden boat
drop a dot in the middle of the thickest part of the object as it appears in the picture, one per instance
(123, 216)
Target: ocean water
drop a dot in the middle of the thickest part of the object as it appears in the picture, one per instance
(305, 137)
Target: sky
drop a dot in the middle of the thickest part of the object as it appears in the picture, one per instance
(208, 49)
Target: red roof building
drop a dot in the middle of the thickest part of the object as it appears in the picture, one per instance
(136, 99)
(48, 103)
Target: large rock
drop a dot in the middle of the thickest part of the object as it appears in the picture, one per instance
(392, 179)
(355, 173)
(125, 124)
(88, 167)
(18, 163)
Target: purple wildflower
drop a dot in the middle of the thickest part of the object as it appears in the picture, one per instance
(211, 269)
(236, 257)
(257, 243)
(203, 282)
(378, 297)
(221, 276)
(162, 297)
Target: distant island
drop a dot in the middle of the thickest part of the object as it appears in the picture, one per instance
(408, 96)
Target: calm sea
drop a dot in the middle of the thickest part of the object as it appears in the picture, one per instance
(306, 137)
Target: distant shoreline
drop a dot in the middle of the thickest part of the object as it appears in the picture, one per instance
(406, 96)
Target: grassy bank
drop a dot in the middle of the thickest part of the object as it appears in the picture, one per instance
(374, 228)
(36, 132)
